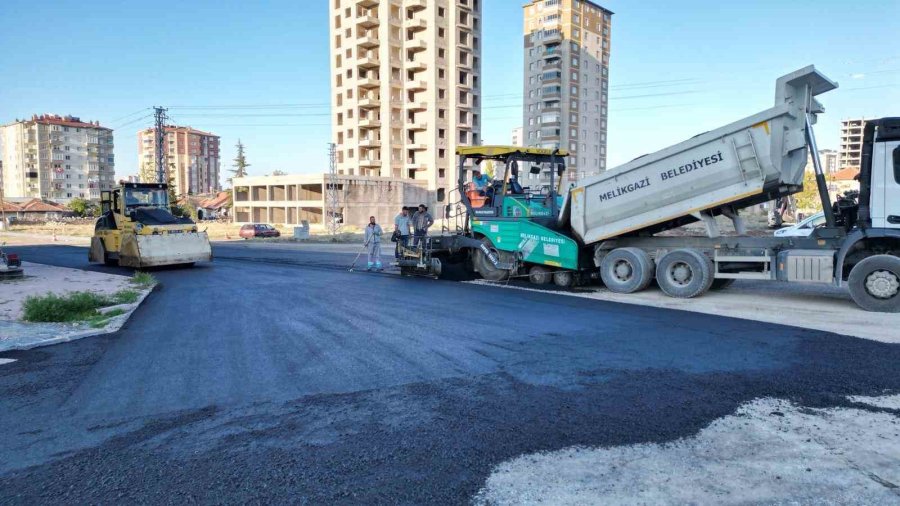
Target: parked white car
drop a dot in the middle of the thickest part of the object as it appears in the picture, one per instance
(804, 228)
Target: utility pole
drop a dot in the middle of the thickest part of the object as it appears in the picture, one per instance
(331, 195)
(160, 114)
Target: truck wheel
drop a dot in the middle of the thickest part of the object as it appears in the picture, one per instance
(721, 284)
(485, 268)
(875, 284)
(564, 279)
(626, 270)
(684, 273)
(539, 275)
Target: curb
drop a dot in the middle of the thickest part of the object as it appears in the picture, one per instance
(115, 323)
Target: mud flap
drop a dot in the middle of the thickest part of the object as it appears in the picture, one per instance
(166, 249)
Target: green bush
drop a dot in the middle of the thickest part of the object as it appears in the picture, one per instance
(75, 306)
(143, 279)
(125, 297)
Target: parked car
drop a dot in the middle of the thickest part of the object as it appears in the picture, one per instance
(251, 230)
(804, 228)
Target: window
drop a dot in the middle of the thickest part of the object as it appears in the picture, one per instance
(897, 164)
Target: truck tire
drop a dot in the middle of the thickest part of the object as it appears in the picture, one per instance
(564, 279)
(539, 275)
(626, 270)
(721, 284)
(485, 268)
(875, 284)
(684, 273)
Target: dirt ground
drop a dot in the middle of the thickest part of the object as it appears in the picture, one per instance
(42, 279)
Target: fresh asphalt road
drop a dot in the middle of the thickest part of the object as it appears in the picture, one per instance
(274, 375)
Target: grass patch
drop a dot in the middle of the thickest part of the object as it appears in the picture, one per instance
(101, 320)
(145, 279)
(71, 307)
(124, 297)
(75, 306)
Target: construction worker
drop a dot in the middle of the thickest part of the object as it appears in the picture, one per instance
(402, 224)
(481, 181)
(421, 222)
(373, 245)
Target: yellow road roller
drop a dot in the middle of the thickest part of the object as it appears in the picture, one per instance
(137, 229)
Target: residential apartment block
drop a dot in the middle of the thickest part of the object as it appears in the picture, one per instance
(405, 80)
(567, 47)
(517, 137)
(192, 158)
(851, 142)
(56, 157)
(828, 158)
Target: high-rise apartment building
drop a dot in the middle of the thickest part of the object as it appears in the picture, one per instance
(192, 157)
(405, 81)
(517, 137)
(57, 158)
(567, 46)
(851, 142)
(828, 158)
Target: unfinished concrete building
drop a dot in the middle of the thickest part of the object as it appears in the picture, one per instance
(292, 199)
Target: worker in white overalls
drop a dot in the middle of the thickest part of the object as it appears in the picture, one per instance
(373, 245)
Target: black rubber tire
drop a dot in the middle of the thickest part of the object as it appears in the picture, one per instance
(539, 275)
(878, 272)
(564, 279)
(692, 264)
(721, 284)
(626, 270)
(485, 268)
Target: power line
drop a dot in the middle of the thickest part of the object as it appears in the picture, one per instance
(130, 115)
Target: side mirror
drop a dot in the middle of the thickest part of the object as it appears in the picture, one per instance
(535, 169)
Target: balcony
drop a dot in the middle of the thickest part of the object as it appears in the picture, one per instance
(370, 163)
(416, 5)
(368, 62)
(415, 66)
(416, 147)
(368, 42)
(417, 106)
(553, 64)
(415, 25)
(368, 83)
(551, 38)
(367, 4)
(413, 165)
(368, 123)
(416, 126)
(369, 103)
(367, 21)
(369, 143)
(556, 53)
(416, 85)
(415, 46)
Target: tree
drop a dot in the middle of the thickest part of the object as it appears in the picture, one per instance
(147, 174)
(240, 164)
(80, 207)
(808, 200)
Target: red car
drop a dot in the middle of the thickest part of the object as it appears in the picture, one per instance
(251, 230)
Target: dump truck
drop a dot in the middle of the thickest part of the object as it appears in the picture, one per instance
(608, 226)
(137, 229)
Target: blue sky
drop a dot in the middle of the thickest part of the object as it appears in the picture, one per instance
(677, 68)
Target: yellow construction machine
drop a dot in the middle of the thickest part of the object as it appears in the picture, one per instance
(137, 229)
